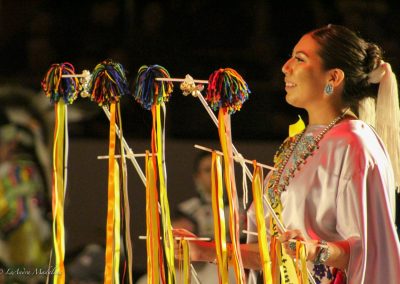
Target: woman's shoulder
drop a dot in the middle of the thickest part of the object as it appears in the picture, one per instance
(354, 132)
(356, 136)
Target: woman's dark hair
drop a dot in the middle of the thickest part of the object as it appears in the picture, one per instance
(342, 48)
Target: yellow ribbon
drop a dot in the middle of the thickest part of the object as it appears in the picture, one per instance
(219, 218)
(59, 175)
(261, 227)
(226, 145)
(184, 262)
(165, 213)
(284, 261)
(126, 210)
(301, 265)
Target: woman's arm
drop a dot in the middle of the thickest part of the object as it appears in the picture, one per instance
(205, 251)
(337, 253)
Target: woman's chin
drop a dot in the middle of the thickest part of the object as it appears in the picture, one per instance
(291, 100)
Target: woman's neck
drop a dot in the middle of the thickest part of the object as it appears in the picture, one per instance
(324, 116)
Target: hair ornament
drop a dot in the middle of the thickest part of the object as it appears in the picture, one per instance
(108, 83)
(227, 89)
(148, 90)
(56, 86)
(376, 75)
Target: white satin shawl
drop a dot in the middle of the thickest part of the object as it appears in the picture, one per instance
(343, 193)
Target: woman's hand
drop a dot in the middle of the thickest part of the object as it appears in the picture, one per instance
(198, 250)
(339, 251)
(289, 238)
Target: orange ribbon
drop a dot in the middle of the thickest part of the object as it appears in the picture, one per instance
(226, 145)
(109, 267)
(155, 267)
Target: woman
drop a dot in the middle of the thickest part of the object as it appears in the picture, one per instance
(335, 181)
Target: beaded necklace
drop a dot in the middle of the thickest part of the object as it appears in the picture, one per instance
(304, 148)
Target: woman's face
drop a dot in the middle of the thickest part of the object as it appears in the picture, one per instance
(305, 78)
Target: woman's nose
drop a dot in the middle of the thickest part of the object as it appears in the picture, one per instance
(286, 67)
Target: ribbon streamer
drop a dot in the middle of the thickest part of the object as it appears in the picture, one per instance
(219, 218)
(106, 86)
(152, 94)
(184, 263)
(61, 91)
(228, 91)
(230, 185)
(301, 264)
(153, 245)
(261, 227)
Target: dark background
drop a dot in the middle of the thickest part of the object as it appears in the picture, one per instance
(186, 37)
(196, 37)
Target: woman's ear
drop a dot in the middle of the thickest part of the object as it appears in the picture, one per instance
(336, 77)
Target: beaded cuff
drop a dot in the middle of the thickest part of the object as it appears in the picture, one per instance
(323, 253)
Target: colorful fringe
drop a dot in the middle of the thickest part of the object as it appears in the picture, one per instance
(148, 91)
(227, 90)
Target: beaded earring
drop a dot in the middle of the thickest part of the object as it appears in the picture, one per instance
(328, 89)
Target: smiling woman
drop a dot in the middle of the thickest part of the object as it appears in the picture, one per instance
(334, 186)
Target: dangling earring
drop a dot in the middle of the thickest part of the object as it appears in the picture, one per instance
(328, 89)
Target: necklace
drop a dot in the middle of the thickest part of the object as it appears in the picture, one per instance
(304, 148)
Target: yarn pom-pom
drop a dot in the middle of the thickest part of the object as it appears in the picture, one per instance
(108, 83)
(56, 87)
(148, 90)
(227, 89)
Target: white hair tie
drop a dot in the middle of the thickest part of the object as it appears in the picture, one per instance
(376, 75)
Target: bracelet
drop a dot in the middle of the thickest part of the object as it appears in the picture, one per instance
(323, 253)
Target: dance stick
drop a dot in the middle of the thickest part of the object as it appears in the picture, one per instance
(180, 80)
(183, 238)
(119, 156)
(291, 240)
(236, 158)
(211, 113)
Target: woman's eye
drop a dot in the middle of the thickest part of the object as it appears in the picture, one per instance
(299, 59)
